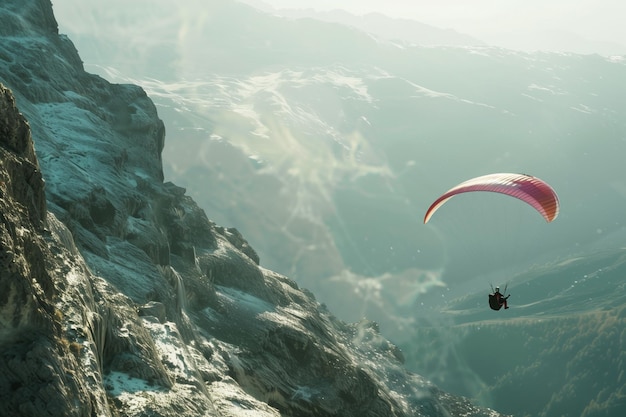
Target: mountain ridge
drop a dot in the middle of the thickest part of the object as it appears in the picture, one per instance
(385, 27)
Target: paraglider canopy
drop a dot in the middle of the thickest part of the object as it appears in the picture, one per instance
(529, 189)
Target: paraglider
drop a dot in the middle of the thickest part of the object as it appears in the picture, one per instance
(527, 188)
(531, 190)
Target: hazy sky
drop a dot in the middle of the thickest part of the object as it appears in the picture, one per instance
(508, 21)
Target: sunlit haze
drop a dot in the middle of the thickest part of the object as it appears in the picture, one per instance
(583, 26)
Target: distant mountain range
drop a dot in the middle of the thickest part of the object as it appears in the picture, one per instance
(385, 27)
(412, 31)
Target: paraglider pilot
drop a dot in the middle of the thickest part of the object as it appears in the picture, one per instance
(497, 300)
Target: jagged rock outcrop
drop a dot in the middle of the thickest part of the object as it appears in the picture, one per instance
(118, 297)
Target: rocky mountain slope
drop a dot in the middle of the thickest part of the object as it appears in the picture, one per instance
(119, 297)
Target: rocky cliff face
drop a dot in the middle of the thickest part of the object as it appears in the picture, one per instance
(118, 297)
